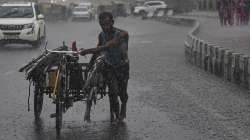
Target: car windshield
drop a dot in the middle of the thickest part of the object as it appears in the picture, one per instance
(80, 9)
(16, 12)
(84, 5)
(153, 4)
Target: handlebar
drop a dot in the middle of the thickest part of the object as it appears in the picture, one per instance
(68, 52)
(63, 52)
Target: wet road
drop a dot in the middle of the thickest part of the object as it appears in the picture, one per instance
(168, 99)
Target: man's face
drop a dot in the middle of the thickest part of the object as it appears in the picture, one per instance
(106, 24)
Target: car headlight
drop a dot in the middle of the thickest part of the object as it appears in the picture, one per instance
(30, 25)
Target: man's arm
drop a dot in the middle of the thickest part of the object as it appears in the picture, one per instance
(112, 43)
(117, 40)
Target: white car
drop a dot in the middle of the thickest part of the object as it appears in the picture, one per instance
(150, 6)
(21, 22)
(81, 12)
(86, 4)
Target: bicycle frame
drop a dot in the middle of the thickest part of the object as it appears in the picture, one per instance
(62, 63)
(61, 91)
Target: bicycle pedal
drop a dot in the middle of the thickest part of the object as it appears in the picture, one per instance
(53, 115)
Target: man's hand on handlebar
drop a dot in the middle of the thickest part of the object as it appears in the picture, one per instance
(91, 50)
(83, 52)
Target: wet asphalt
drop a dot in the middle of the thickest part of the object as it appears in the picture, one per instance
(168, 98)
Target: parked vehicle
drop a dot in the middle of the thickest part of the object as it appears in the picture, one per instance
(82, 12)
(89, 5)
(149, 7)
(54, 12)
(21, 22)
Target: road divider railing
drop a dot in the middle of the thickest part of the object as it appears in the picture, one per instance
(217, 60)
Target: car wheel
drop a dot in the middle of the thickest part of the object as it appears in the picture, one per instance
(2, 44)
(141, 13)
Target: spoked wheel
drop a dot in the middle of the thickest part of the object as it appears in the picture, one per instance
(60, 104)
(59, 112)
(38, 102)
(89, 101)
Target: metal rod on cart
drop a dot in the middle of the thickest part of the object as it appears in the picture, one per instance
(69, 52)
(54, 51)
(56, 83)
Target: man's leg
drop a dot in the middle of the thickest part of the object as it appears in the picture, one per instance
(123, 97)
(113, 96)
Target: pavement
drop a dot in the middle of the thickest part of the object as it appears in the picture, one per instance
(233, 37)
(207, 14)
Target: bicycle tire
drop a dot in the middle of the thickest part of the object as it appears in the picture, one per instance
(89, 102)
(38, 102)
(59, 108)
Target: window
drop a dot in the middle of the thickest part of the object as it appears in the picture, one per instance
(38, 12)
(153, 4)
(16, 12)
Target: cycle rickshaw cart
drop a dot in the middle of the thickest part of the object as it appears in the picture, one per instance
(58, 74)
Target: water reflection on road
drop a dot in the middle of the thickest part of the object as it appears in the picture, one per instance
(104, 130)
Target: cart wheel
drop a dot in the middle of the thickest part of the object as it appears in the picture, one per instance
(59, 112)
(38, 102)
(60, 105)
(89, 104)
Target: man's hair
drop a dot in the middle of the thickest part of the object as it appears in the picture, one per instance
(104, 15)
